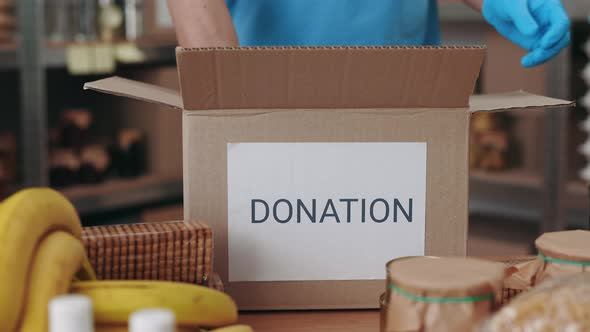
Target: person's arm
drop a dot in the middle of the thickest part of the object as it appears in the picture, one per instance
(475, 4)
(202, 23)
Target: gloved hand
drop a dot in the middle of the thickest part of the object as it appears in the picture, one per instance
(540, 26)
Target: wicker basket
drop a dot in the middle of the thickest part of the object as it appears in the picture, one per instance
(173, 251)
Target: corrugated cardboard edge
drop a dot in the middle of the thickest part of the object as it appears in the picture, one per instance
(328, 77)
(137, 90)
(513, 101)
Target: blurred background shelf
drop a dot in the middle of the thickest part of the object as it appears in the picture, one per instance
(577, 193)
(8, 56)
(55, 57)
(124, 193)
(514, 179)
(577, 203)
(508, 194)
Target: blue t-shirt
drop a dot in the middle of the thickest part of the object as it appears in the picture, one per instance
(335, 22)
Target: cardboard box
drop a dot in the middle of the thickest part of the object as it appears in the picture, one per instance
(315, 166)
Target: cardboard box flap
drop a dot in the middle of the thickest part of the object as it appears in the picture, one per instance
(136, 90)
(328, 77)
(512, 100)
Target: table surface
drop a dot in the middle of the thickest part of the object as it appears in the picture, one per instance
(320, 321)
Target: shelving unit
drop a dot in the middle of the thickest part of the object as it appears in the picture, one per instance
(534, 194)
(512, 193)
(122, 193)
(55, 57)
(577, 200)
(32, 61)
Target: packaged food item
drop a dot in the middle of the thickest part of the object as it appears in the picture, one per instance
(152, 320)
(64, 165)
(95, 161)
(560, 254)
(71, 313)
(173, 251)
(561, 304)
(563, 253)
(129, 155)
(75, 128)
(439, 294)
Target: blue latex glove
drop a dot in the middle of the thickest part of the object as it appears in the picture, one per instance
(540, 26)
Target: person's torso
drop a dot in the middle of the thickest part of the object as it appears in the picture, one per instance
(335, 22)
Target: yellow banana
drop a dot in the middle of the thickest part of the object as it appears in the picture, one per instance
(86, 271)
(193, 305)
(26, 218)
(57, 259)
(234, 328)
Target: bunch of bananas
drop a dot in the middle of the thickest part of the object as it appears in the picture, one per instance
(40, 253)
(42, 256)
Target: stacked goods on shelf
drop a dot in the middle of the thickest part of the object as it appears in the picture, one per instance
(7, 21)
(77, 158)
(492, 148)
(129, 155)
(439, 294)
(67, 145)
(89, 21)
(94, 164)
(173, 251)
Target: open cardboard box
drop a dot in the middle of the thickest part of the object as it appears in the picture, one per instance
(315, 166)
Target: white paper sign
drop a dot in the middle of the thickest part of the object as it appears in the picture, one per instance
(323, 211)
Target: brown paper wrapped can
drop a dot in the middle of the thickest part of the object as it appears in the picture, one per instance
(439, 294)
(560, 254)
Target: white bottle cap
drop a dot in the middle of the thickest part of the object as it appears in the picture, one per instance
(71, 313)
(152, 320)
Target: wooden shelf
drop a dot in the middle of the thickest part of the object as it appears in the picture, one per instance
(576, 204)
(55, 57)
(325, 321)
(124, 193)
(512, 193)
(516, 178)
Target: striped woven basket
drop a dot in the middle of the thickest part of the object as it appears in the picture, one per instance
(173, 251)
